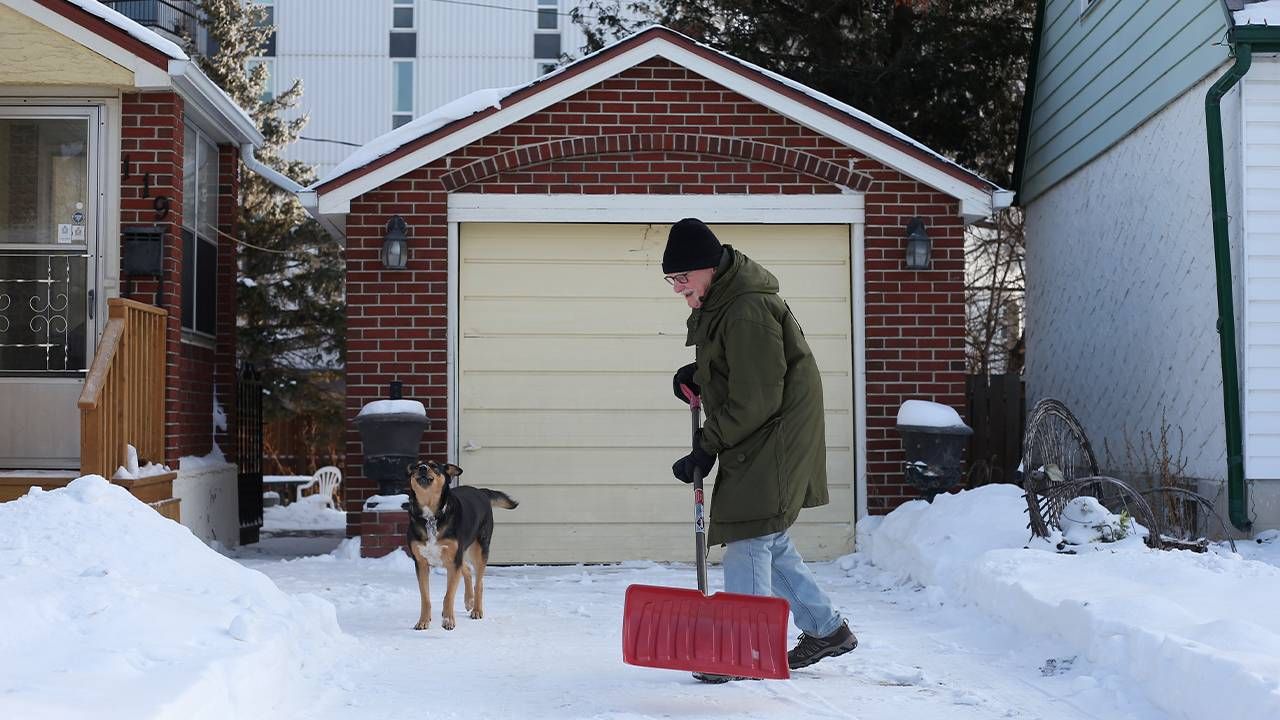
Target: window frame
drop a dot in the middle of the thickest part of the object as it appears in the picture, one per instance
(409, 5)
(194, 277)
(538, 30)
(397, 114)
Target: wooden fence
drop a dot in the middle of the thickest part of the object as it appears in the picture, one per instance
(998, 414)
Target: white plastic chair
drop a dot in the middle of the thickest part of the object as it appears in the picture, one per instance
(326, 481)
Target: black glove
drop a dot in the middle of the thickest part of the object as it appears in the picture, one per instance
(684, 376)
(698, 459)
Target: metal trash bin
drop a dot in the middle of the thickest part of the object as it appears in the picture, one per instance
(390, 435)
(933, 439)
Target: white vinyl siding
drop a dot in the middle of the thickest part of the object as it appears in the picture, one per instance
(338, 48)
(1261, 270)
(568, 338)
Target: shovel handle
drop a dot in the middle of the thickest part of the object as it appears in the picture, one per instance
(699, 516)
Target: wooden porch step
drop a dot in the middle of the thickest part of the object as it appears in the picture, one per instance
(154, 490)
(15, 483)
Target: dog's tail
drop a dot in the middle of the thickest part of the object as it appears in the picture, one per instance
(497, 498)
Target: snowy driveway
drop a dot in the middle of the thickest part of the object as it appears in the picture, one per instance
(549, 647)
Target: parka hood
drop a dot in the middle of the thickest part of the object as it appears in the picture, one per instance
(742, 276)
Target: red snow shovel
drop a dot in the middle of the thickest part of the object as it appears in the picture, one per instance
(721, 634)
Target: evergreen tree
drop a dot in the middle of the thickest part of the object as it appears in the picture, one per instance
(290, 300)
(949, 73)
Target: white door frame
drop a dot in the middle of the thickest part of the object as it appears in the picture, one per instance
(101, 217)
(834, 209)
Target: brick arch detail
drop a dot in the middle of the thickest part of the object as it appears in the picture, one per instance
(737, 148)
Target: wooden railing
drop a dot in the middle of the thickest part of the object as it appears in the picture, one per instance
(123, 398)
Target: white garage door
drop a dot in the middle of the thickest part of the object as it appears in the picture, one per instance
(568, 339)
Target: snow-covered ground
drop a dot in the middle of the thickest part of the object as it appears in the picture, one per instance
(308, 514)
(107, 610)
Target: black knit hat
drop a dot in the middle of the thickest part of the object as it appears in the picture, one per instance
(690, 246)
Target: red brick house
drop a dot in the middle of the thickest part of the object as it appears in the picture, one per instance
(119, 171)
(532, 321)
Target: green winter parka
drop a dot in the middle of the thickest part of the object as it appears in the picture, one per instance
(762, 396)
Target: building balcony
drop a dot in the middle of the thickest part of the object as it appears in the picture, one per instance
(177, 20)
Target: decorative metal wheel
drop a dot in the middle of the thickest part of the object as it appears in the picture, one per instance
(1055, 452)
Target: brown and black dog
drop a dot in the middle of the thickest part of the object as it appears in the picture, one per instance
(451, 527)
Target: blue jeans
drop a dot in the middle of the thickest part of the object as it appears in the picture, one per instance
(770, 565)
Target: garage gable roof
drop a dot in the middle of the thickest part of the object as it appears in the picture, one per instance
(471, 118)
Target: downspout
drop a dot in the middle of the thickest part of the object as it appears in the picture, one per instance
(1237, 498)
(305, 197)
(273, 176)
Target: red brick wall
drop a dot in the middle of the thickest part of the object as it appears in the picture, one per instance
(658, 129)
(225, 350)
(152, 138)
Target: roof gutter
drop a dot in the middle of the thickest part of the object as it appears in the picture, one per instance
(1244, 40)
(218, 111)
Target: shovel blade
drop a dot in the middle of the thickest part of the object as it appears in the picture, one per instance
(722, 634)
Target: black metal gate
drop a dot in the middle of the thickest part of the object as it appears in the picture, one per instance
(249, 444)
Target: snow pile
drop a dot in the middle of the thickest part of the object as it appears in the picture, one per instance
(1085, 521)
(393, 407)
(309, 513)
(131, 470)
(1197, 633)
(150, 37)
(923, 413)
(103, 599)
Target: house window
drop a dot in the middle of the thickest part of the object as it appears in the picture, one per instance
(403, 42)
(548, 14)
(401, 92)
(268, 87)
(269, 45)
(546, 39)
(199, 233)
(402, 15)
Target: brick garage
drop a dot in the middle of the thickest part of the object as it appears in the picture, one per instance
(663, 117)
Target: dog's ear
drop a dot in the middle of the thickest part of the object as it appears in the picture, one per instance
(408, 469)
(452, 470)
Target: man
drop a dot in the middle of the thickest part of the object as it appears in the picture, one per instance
(762, 395)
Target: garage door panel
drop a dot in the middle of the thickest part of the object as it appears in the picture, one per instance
(557, 243)
(600, 428)
(490, 316)
(522, 467)
(625, 503)
(579, 354)
(619, 316)
(524, 390)
(549, 243)
(573, 353)
(653, 540)
(516, 280)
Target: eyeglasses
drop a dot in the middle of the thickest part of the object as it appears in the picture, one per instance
(682, 278)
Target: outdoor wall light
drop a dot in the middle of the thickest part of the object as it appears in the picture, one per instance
(917, 245)
(395, 246)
